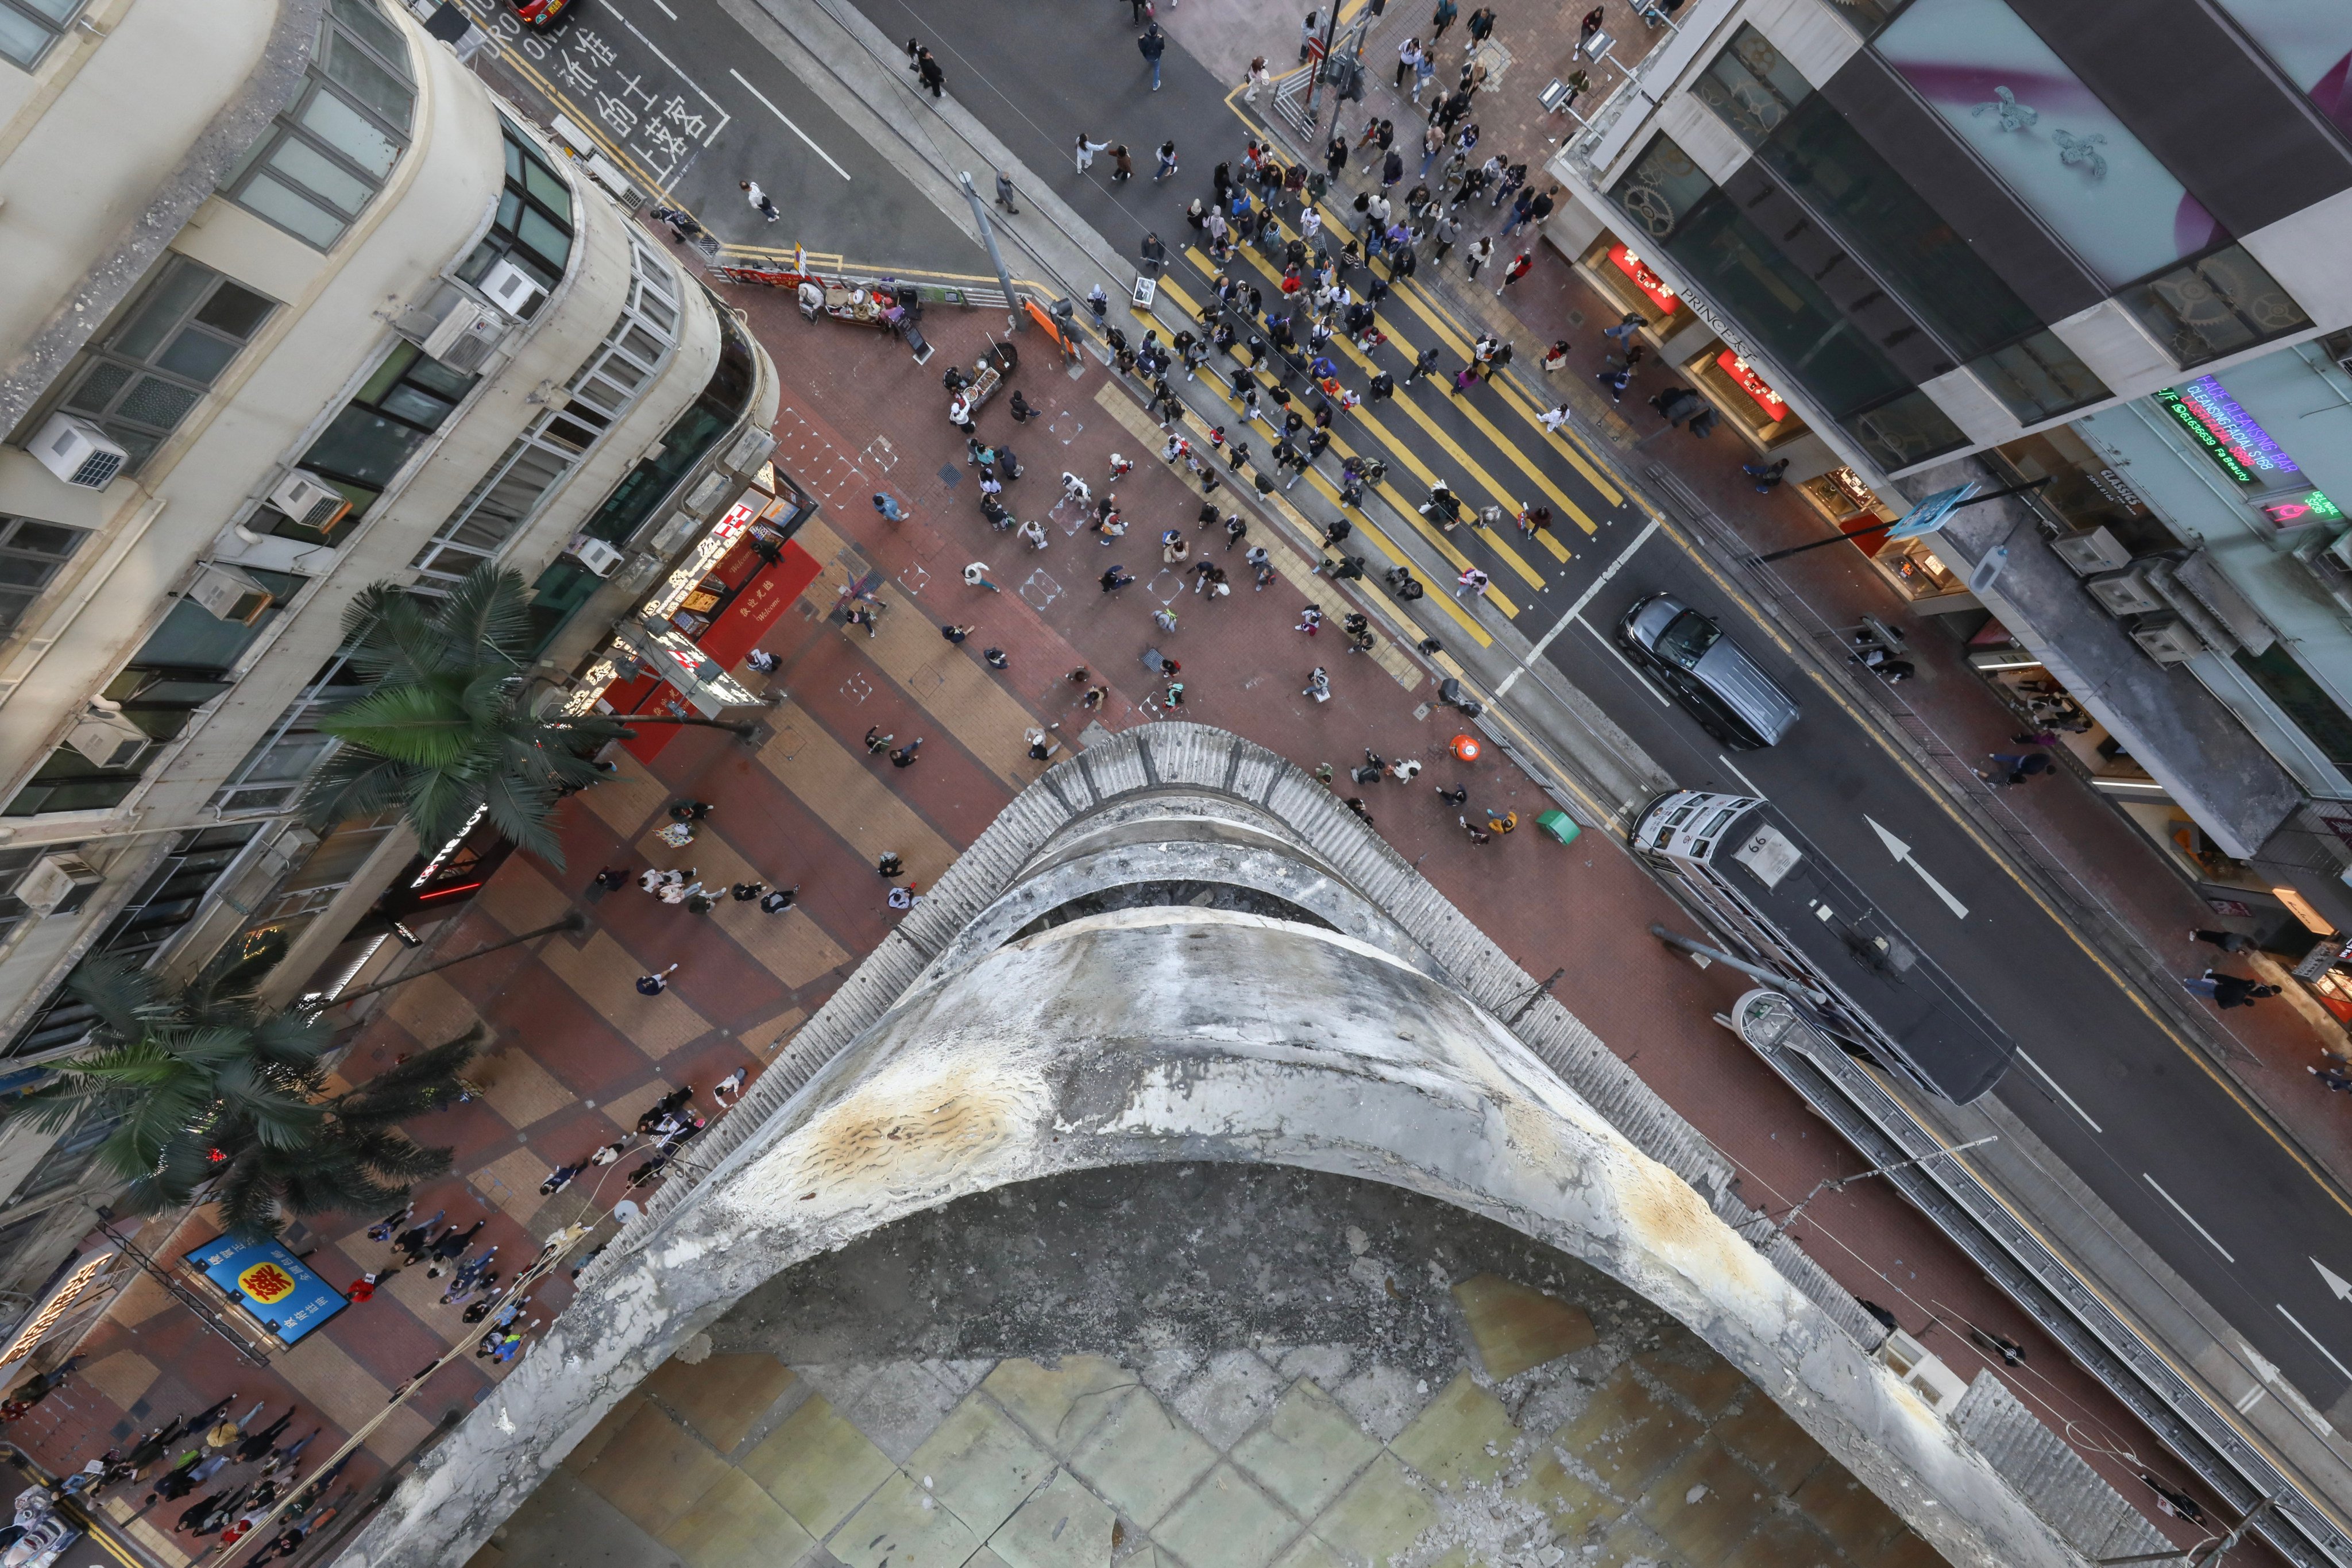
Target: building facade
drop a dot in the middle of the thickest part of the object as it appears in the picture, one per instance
(324, 312)
(1910, 243)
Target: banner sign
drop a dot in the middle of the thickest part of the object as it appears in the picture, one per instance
(264, 1280)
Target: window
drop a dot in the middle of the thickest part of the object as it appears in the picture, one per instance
(143, 378)
(2322, 719)
(2309, 42)
(2049, 137)
(403, 403)
(28, 28)
(272, 774)
(30, 554)
(542, 458)
(1728, 260)
(2216, 305)
(188, 660)
(1688, 639)
(325, 157)
(533, 226)
(2039, 378)
(14, 864)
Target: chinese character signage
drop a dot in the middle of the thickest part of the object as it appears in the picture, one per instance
(264, 1280)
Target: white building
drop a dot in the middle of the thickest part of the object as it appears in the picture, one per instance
(292, 305)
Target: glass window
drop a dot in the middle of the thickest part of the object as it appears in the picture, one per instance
(1873, 210)
(28, 28)
(2049, 137)
(142, 379)
(403, 403)
(533, 226)
(1688, 638)
(2216, 305)
(30, 554)
(2323, 721)
(324, 158)
(1905, 430)
(2038, 378)
(2310, 41)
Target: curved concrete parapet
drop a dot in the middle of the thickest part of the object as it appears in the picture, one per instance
(1177, 1032)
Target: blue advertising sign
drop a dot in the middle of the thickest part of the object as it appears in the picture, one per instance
(262, 1278)
(1930, 514)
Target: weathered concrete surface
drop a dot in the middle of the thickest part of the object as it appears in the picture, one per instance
(1160, 1035)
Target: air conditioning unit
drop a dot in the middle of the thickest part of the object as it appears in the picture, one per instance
(106, 739)
(57, 885)
(78, 452)
(466, 337)
(2126, 592)
(597, 556)
(309, 501)
(2093, 550)
(510, 289)
(2165, 638)
(229, 593)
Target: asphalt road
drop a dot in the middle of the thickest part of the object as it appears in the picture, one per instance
(689, 103)
(2134, 1113)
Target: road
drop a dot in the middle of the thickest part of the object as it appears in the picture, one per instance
(2133, 1110)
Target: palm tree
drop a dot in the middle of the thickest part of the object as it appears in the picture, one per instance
(446, 729)
(210, 1095)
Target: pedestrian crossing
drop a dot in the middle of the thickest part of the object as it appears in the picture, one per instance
(1499, 454)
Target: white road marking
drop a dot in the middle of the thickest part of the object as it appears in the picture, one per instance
(2200, 1230)
(664, 10)
(1902, 853)
(787, 119)
(1578, 608)
(1641, 678)
(1743, 778)
(2339, 1286)
(2061, 1093)
(723, 115)
(2306, 1333)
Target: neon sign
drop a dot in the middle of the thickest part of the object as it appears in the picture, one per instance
(1753, 385)
(2226, 433)
(1652, 287)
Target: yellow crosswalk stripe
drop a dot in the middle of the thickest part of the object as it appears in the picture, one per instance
(1428, 476)
(1183, 302)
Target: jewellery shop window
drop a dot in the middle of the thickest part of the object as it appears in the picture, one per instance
(1840, 494)
(1630, 285)
(1918, 570)
(1745, 397)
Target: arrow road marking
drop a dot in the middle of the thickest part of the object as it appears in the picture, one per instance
(2200, 1229)
(2336, 1282)
(2306, 1333)
(1902, 852)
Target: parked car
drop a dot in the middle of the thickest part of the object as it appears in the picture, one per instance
(546, 15)
(1729, 695)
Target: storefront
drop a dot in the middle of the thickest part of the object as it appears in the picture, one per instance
(676, 654)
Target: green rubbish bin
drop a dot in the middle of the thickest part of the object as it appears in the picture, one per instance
(1560, 825)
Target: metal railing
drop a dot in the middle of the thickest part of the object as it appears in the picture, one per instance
(1884, 1132)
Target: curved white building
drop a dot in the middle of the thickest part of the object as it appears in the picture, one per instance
(293, 305)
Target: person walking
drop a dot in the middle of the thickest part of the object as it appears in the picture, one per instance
(1554, 417)
(1087, 148)
(2333, 1078)
(1473, 583)
(1256, 76)
(1005, 193)
(652, 985)
(904, 756)
(1167, 161)
(1521, 264)
(2227, 941)
(1408, 62)
(1441, 19)
(1616, 381)
(926, 69)
(1307, 35)
(1768, 477)
(759, 200)
(1122, 166)
(1478, 255)
(1153, 44)
(778, 900)
(1481, 27)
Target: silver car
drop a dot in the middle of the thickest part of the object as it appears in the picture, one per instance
(1733, 699)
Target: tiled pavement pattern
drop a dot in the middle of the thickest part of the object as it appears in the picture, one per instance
(1545, 1448)
(577, 1054)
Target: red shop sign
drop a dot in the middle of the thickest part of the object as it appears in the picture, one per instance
(1755, 386)
(1651, 286)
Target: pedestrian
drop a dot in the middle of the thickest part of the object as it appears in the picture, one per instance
(1122, 169)
(1409, 59)
(1086, 151)
(759, 200)
(1441, 19)
(904, 756)
(1042, 745)
(928, 70)
(1307, 35)
(652, 985)
(955, 633)
(1153, 44)
(1167, 161)
(904, 897)
(2016, 767)
(975, 575)
(2237, 990)
(1627, 325)
(1768, 477)
(875, 740)
(2332, 1077)
(1256, 76)
(1590, 25)
(1473, 583)
(1478, 255)
(1318, 685)
(1005, 193)
(994, 657)
(1616, 381)
(361, 1288)
(2227, 941)
(1521, 264)
(1481, 26)
(560, 1177)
